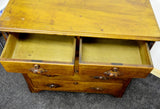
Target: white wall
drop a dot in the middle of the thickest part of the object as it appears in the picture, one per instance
(155, 51)
(156, 8)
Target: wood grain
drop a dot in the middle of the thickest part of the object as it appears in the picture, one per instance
(98, 50)
(98, 56)
(120, 19)
(77, 86)
(56, 55)
(125, 85)
(30, 84)
(125, 71)
(25, 67)
(40, 47)
(75, 77)
(116, 19)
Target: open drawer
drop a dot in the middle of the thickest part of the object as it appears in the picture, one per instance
(109, 58)
(37, 53)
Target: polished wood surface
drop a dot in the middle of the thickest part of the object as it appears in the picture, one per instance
(30, 84)
(78, 86)
(17, 66)
(120, 19)
(78, 74)
(54, 55)
(40, 47)
(124, 71)
(76, 83)
(75, 77)
(98, 56)
(50, 60)
(95, 50)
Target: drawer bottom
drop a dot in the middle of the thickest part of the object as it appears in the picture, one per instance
(115, 89)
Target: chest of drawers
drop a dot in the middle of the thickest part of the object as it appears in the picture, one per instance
(88, 46)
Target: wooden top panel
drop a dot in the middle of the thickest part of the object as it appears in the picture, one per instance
(121, 19)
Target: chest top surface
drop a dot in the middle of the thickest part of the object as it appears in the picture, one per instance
(120, 19)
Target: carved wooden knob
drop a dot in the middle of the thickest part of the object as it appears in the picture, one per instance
(37, 69)
(112, 73)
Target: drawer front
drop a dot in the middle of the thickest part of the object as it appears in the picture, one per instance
(110, 72)
(43, 68)
(75, 77)
(39, 54)
(77, 86)
(114, 58)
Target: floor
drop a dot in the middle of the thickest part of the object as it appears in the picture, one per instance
(14, 94)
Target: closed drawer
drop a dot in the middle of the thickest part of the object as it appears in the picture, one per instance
(77, 86)
(75, 77)
(35, 53)
(114, 58)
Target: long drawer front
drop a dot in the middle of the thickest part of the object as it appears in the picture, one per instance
(78, 86)
(75, 77)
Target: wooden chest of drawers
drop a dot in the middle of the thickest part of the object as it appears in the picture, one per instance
(57, 63)
(91, 48)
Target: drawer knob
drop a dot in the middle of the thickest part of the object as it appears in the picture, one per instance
(53, 85)
(37, 69)
(75, 83)
(112, 73)
(97, 88)
(99, 77)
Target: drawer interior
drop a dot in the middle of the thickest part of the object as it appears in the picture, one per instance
(96, 50)
(40, 47)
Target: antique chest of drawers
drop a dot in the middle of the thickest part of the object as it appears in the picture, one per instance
(93, 46)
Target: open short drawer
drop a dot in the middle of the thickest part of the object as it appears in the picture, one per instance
(37, 53)
(111, 58)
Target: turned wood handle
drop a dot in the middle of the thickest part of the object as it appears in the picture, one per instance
(53, 85)
(112, 73)
(37, 69)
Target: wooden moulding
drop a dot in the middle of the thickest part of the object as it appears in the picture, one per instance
(56, 55)
(97, 56)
